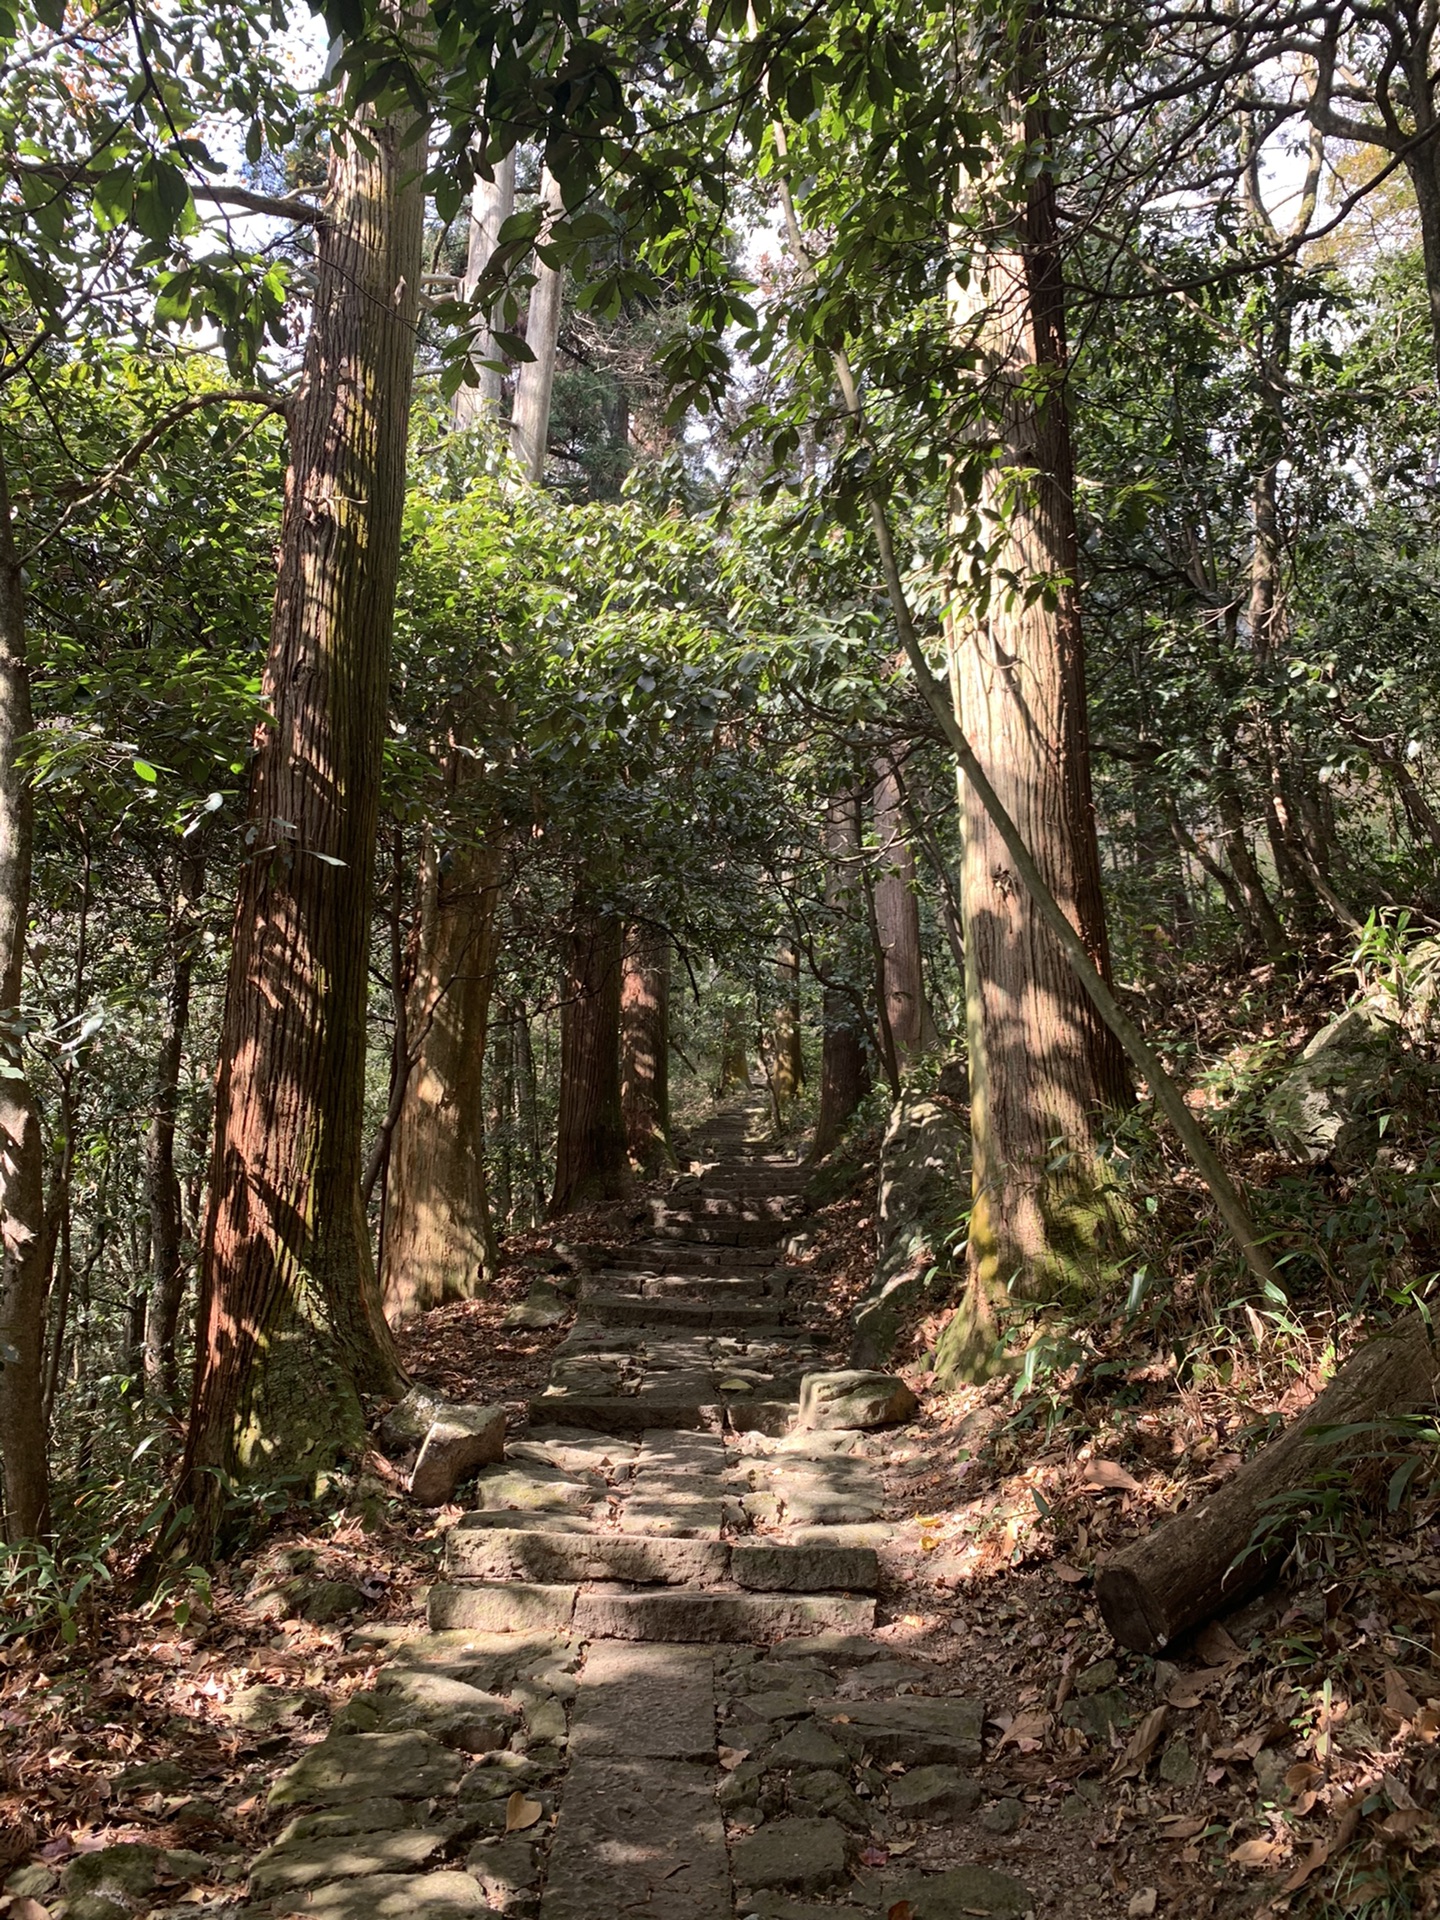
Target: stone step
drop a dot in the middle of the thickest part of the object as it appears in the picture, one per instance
(625, 1412)
(719, 1233)
(687, 1201)
(673, 1257)
(686, 1615)
(613, 1309)
(717, 1290)
(478, 1551)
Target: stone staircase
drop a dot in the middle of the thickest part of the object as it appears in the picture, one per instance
(657, 1620)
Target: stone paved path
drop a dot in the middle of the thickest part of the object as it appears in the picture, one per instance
(656, 1621)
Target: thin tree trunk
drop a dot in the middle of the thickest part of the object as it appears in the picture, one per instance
(439, 1237)
(528, 1101)
(1236, 845)
(24, 1253)
(645, 1049)
(734, 1067)
(590, 1161)
(530, 417)
(502, 1129)
(1044, 1068)
(897, 919)
(844, 1070)
(491, 206)
(291, 1331)
(162, 1186)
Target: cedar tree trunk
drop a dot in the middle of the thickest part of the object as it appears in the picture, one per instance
(25, 1246)
(645, 1049)
(291, 1331)
(439, 1237)
(1043, 1067)
(844, 1070)
(897, 920)
(162, 1187)
(590, 1161)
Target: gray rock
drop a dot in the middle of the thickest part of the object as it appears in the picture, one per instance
(956, 1894)
(505, 1871)
(264, 1708)
(361, 1816)
(499, 1775)
(544, 1305)
(804, 1854)
(457, 1441)
(1327, 1106)
(825, 1794)
(1003, 1816)
(915, 1731)
(1097, 1678)
(1178, 1765)
(501, 1607)
(805, 1746)
(854, 1398)
(537, 1489)
(1096, 1714)
(32, 1882)
(413, 1766)
(922, 1161)
(397, 1896)
(770, 1567)
(154, 1776)
(411, 1418)
(292, 1864)
(934, 1793)
(124, 1876)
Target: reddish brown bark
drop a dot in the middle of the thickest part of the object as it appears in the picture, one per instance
(590, 1161)
(1043, 1067)
(897, 920)
(162, 1186)
(291, 1331)
(645, 1049)
(439, 1241)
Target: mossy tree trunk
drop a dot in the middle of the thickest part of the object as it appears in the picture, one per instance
(291, 1331)
(590, 1160)
(1044, 1069)
(645, 1049)
(439, 1235)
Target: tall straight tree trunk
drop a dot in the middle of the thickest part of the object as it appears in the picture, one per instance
(897, 920)
(491, 206)
(734, 1066)
(439, 1236)
(590, 1161)
(1043, 1067)
(527, 1102)
(645, 1049)
(844, 1069)
(291, 1331)
(530, 418)
(162, 1186)
(789, 1049)
(25, 1246)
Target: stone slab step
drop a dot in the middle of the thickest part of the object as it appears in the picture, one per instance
(714, 1290)
(638, 1837)
(719, 1233)
(688, 1615)
(695, 1202)
(667, 1256)
(506, 1554)
(624, 1412)
(681, 1614)
(614, 1309)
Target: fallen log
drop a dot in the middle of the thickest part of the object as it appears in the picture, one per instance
(1222, 1549)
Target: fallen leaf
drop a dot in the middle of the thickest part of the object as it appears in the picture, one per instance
(1302, 1775)
(1143, 1743)
(1026, 1733)
(22, 1907)
(1063, 1570)
(730, 1757)
(899, 1846)
(873, 1856)
(1216, 1647)
(1189, 1689)
(1245, 1749)
(1427, 1724)
(1142, 1904)
(1110, 1476)
(1406, 1821)
(1257, 1853)
(1312, 1863)
(900, 1910)
(735, 1386)
(521, 1813)
(1183, 1826)
(1400, 1704)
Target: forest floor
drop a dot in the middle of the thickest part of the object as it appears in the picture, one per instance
(1286, 1761)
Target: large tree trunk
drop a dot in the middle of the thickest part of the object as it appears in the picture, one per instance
(897, 920)
(491, 206)
(1043, 1066)
(162, 1187)
(439, 1237)
(645, 1049)
(590, 1161)
(844, 1069)
(530, 417)
(25, 1247)
(789, 1040)
(291, 1331)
